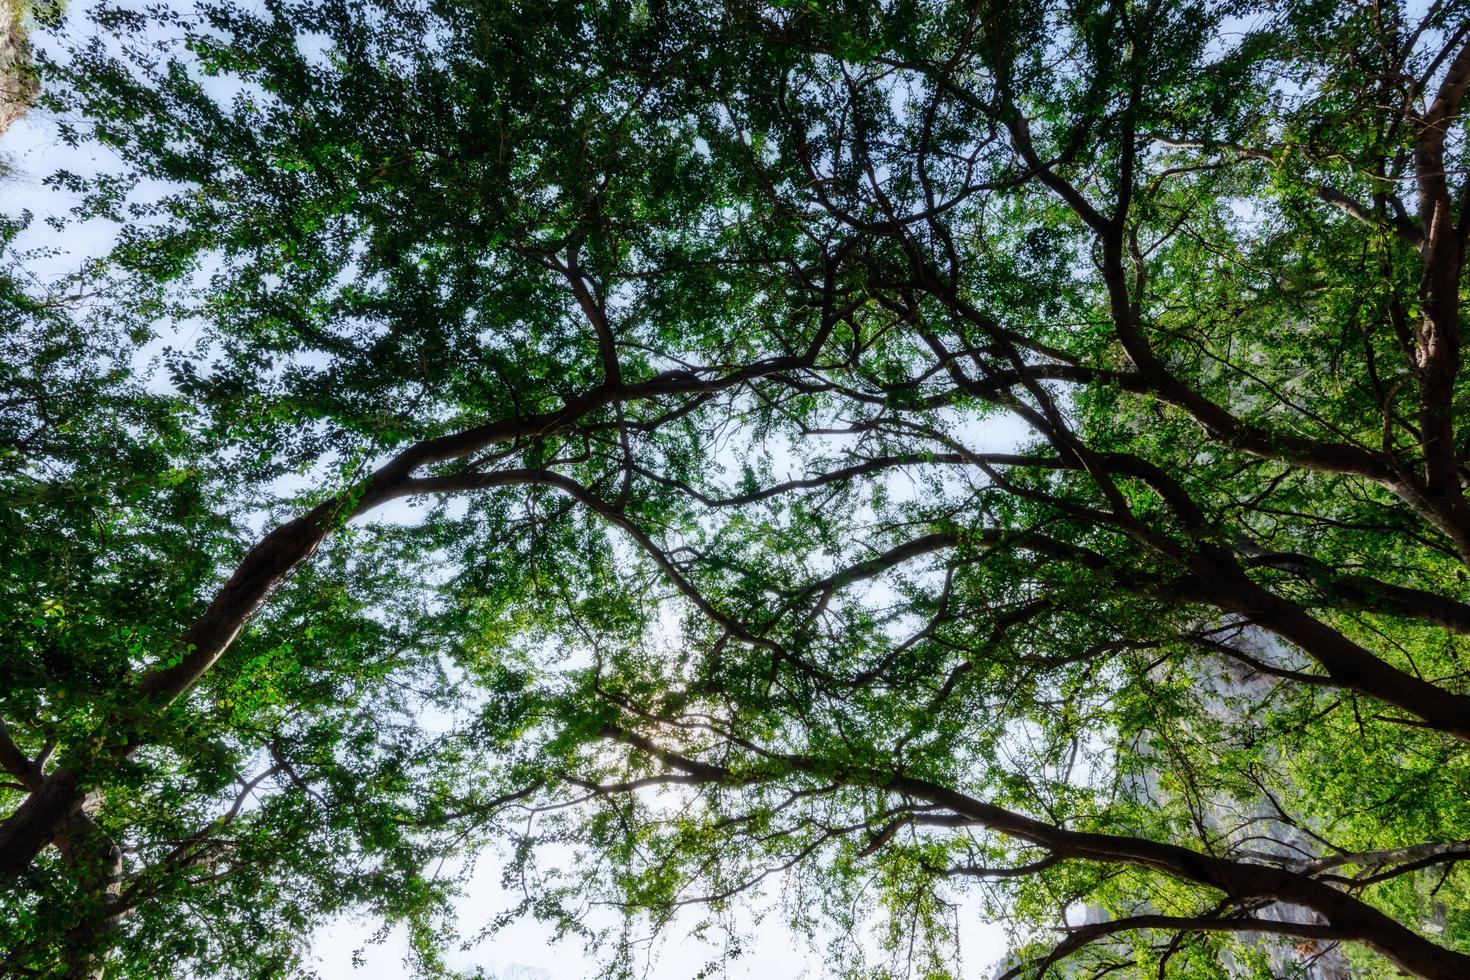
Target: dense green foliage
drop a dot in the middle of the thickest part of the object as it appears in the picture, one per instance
(883, 451)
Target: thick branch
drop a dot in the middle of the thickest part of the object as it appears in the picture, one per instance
(43, 814)
(1081, 936)
(1346, 916)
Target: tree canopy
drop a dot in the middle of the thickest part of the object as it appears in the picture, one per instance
(887, 451)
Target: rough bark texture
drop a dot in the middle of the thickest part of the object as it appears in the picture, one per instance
(18, 85)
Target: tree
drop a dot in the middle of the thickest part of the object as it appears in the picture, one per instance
(376, 327)
(1191, 654)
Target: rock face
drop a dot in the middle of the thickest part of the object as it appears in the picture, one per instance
(17, 82)
(1307, 960)
(1222, 686)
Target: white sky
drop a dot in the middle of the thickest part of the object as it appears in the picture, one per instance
(524, 951)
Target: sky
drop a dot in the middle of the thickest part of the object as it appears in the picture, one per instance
(352, 948)
(525, 951)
